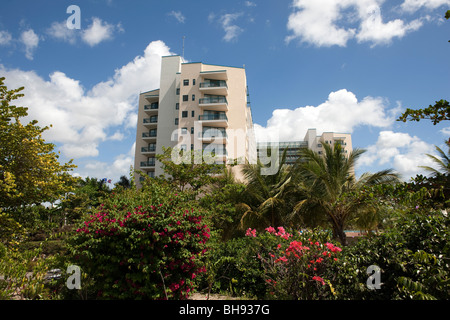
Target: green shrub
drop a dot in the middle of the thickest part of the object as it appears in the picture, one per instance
(271, 265)
(142, 244)
(413, 256)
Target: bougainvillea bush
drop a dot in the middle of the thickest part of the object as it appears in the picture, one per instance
(142, 244)
(297, 263)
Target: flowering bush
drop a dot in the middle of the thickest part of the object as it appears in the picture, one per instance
(142, 244)
(297, 266)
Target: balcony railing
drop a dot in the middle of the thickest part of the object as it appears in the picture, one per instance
(207, 117)
(149, 135)
(153, 106)
(214, 84)
(148, 149)
(148, 164)
(210, 100)
(151, 120)
(213, 133)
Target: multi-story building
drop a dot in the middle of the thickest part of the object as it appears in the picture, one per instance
(197, 107)
(311, 141)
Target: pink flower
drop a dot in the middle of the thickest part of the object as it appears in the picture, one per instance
(251, 233)
(319, 279)
(270, 229)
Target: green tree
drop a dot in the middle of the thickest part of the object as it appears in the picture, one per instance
(443, 162)
(331, 189)
(266, 196)
(29, 169)
(188, 169)
(438, 112)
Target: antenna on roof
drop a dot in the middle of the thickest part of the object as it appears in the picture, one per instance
(184, 37)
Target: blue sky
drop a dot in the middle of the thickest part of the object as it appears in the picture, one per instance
(347, 66)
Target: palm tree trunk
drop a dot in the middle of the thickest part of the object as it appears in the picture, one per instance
(338, 231)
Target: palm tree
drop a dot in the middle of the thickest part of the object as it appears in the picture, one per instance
(331, 189)
(265, 196)
(443, 163)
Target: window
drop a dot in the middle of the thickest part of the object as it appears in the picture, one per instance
(178, 91)
(176, 121)
(177, 106)
(193, 97)
(192, 130)
(192, 113)
(184, 114)
(193, 82)
(183, 147)
(319, 145)
(186, 82)
(192, 147)
(183, 130)
(185, 97)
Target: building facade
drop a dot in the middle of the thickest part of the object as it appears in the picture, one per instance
(311, 141)
(197, 107)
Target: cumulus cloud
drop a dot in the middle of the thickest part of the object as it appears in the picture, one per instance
(81, 118)
(400, 151)
(31, 41)
(342, 112)
(99, 31)
(335, 22)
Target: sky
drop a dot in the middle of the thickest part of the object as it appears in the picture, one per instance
(350, 66)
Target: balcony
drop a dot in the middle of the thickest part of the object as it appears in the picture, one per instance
(213, 135)
(217, 119)
(149, 135)
(151, 108)
(214, 87)
(151, 122)
(212, 102)
(145, 150)
(148, 164)
(215, 75)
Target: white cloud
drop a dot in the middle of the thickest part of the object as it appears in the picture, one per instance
(5, 38)
(342, 112)
(59, 30)
(335, 22)
(373, 29)
(100, 169)
(99, 31)
(400, 151)
(414, 5)
(81, 118)
(250, 4)
(232, 31)
(178, 15)
(31, 40)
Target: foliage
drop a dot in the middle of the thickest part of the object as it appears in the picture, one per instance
(11, 232)
(331, 189)
(29, 169)
(188, 169)
(266, 202)
(298, 266)
(438, 112)
(413, 256)
(222, 202)
(23, 274)
(142, 244)
(232, 268)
